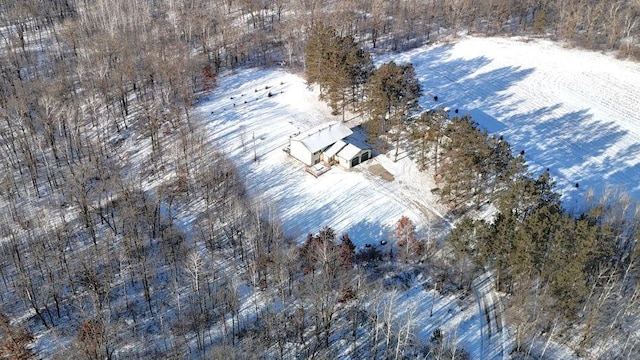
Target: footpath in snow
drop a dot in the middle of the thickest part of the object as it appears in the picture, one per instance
(495, 341)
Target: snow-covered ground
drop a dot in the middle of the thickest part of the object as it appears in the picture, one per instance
(572, 111)
(355, 201)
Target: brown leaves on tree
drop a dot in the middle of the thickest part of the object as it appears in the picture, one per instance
(14, 340)
(323, 245)
(90, 336)
(405, 235)
(208, 77)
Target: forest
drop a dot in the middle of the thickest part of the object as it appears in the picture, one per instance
(101, 159)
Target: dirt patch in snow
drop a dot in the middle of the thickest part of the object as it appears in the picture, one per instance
(377, 169)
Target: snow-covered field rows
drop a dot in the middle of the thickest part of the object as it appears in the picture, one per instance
(572, 111)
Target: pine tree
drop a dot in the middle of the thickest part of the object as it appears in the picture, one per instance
(338, 65)
(568, 254)
(464, 241)
(436, 123)
(354, 66)
(320, 43)
(502, 166)
(465, 157)
(392, 93)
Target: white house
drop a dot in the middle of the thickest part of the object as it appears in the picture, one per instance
(307, 146)
(330, 142)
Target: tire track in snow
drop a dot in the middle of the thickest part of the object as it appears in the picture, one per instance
(494, 336)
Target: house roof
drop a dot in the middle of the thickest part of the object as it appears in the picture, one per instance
(320, 137)
(349, 152)
(334, 149)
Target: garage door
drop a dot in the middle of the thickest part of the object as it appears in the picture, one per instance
(355, 161)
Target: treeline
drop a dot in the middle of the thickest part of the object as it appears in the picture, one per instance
(100, 156)
(251, 32)
(122, 233)
(564, 272)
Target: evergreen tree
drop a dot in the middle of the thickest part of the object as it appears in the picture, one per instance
(321, 42)
(569, 249)
(338, 65)
(524, 195)
(465, 157)
(502, 166)
(357, 67)
(392, 92)
(426, 135)
(465, 240)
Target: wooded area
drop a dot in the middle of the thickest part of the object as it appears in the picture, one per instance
(574, 265)
(93, 250)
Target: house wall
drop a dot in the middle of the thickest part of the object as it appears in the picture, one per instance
(343, 162)
(316, 157)
(300, 152)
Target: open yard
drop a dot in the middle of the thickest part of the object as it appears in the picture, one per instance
(361, 202)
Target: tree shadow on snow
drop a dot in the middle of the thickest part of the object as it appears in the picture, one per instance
(580, 151)
(365, 232)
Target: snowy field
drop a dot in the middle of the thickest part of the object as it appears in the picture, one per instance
(572, 111)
